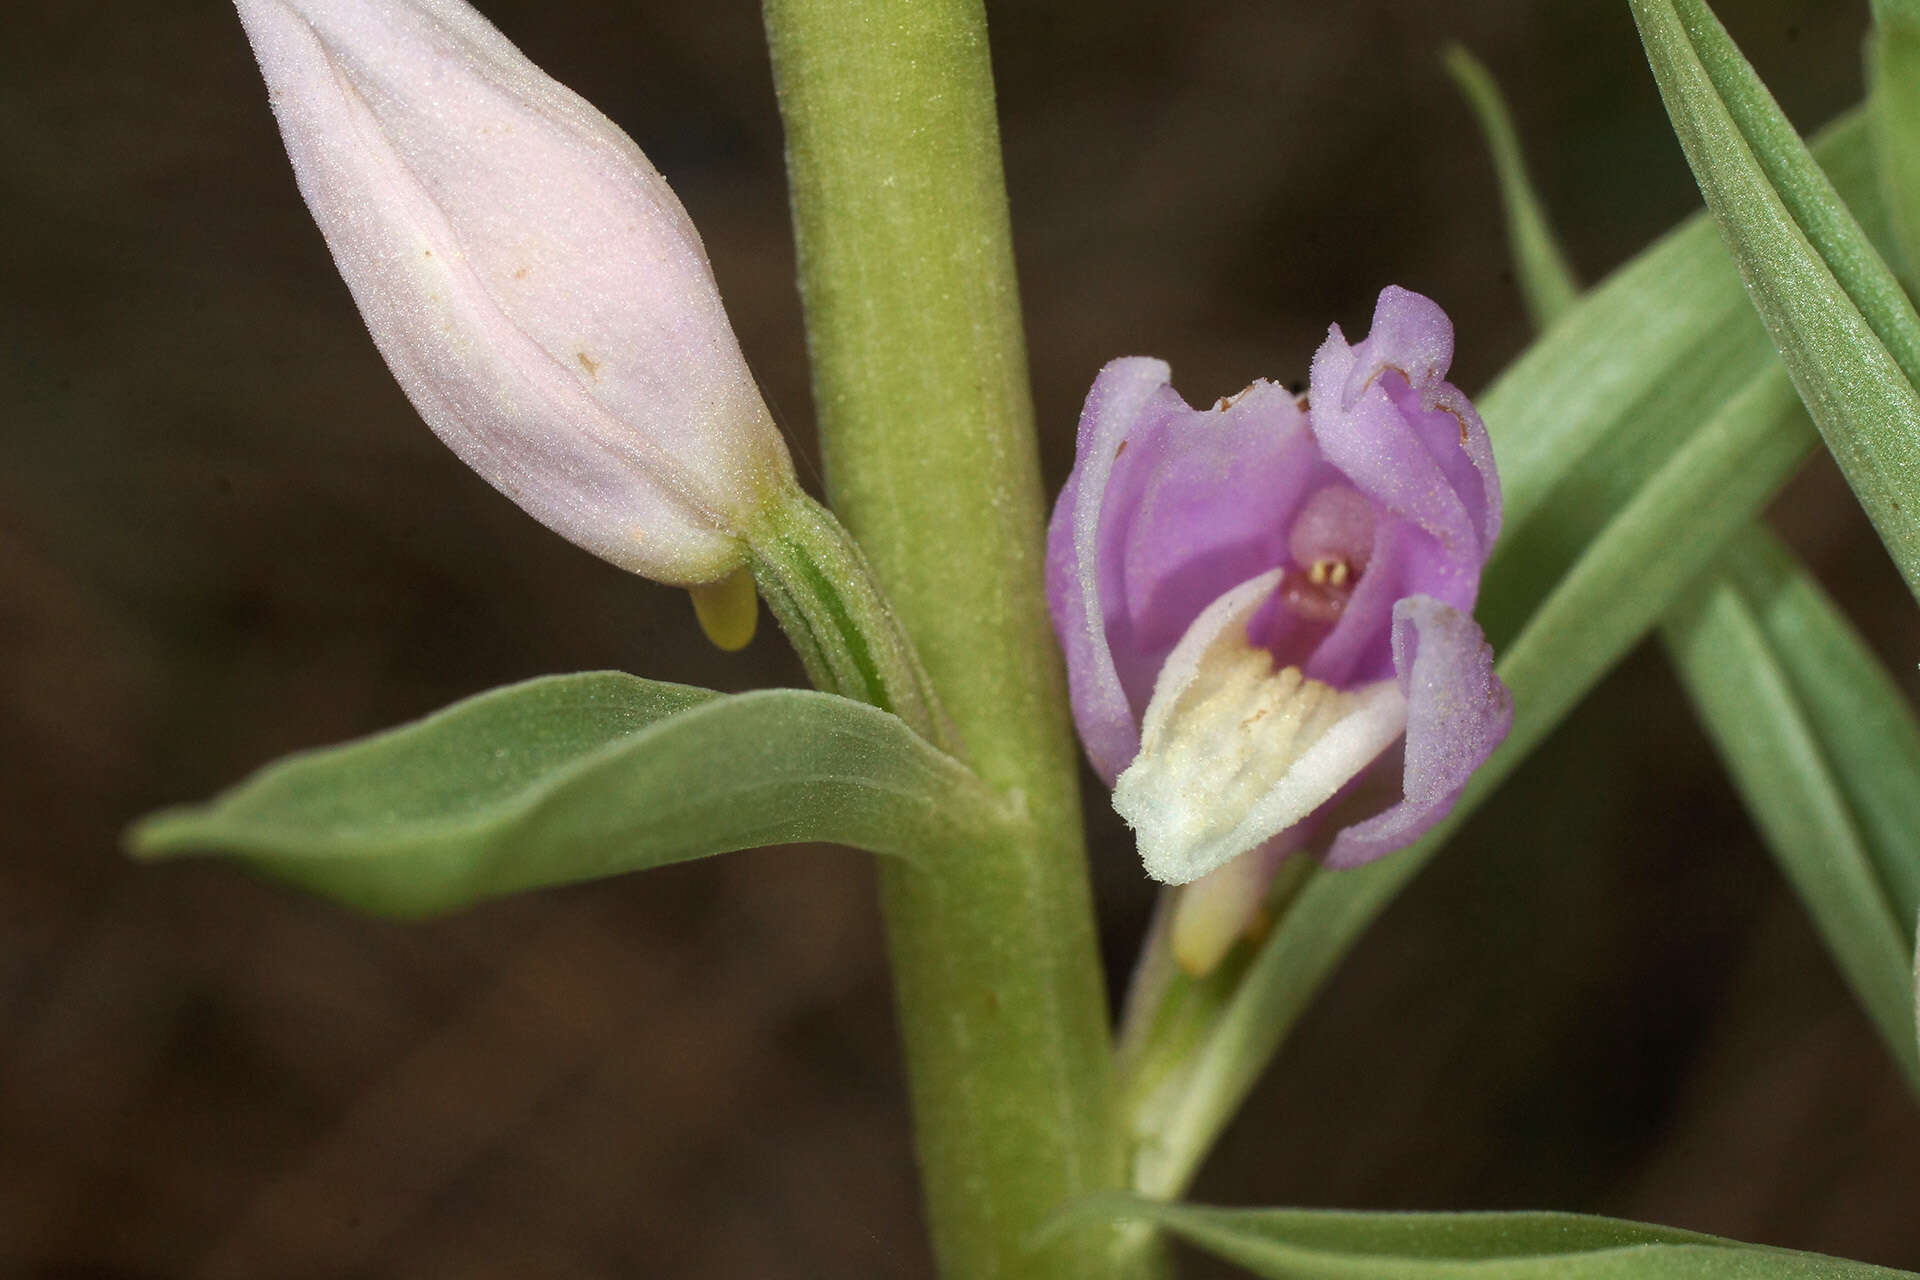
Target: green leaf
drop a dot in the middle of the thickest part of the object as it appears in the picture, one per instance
(1324, 1244)
(1791, 753)
(1650, 552)
(1839, 319)
(1893, 99)
(1865, 723)
(1585, 414)
(1594, 407)
(1546, 276)
(576, 777)
(1829, 768)
(1645, 353)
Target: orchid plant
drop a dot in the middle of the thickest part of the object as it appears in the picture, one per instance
(1258, 614)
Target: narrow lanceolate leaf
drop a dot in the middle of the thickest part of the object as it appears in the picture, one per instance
(1865, 724)
(1821, 744)
(1547, 278)
(1736, 673)
(1838, 317)
(1322, 1244)
(576, 777)
(1893, 76)
(1598, 403)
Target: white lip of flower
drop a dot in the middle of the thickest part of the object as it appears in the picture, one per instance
(1233, 752)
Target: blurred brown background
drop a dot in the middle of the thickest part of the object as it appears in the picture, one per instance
(224, 535)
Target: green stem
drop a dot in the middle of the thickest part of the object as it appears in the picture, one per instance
(906, 272)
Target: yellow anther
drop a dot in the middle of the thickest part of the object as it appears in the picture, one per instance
(728, 610)
(1328, 571)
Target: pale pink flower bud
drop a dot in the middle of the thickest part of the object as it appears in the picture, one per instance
(536, 289)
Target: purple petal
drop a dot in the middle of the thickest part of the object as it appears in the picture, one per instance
(1457, 713)
(1167, 508)
(1107, 724)
(1207, 503)
(1456, 439)
(1432, 466)
(1409, 333)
